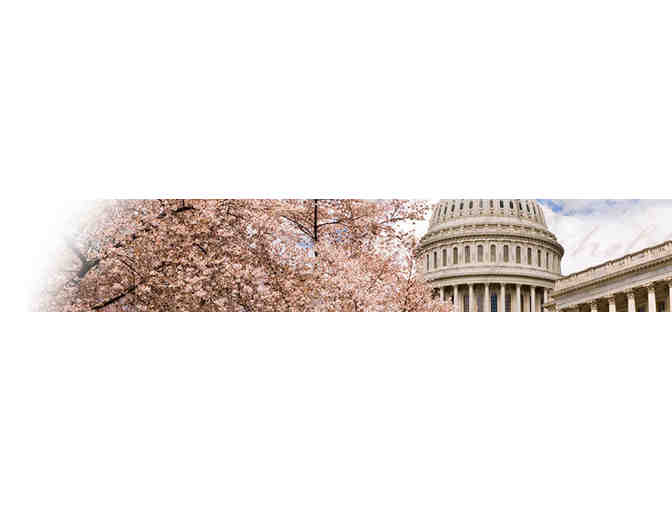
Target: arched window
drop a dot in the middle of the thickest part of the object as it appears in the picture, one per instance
(452, 209)
(480, 252)
(548, 260)
(445, 257)
(510, 205)
(506, 253)
(427, 265)
(493, 253)
(481, 204)
(471, 204)
(528, 208)
(520, 205)
(492, 204)
(467, 255)
(539, 258)
(518, 255)
(529, 256)
(461, 205)
(501, 204)
(436, 262)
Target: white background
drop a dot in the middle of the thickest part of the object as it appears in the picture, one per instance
(372, 99)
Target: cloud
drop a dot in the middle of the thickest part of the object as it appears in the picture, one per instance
(594, 231)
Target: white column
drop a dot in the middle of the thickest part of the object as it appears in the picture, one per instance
(471, 298)
(612, 303)
(501, 307)
(486, 298)
(546, 293)
(519, 308)
(652, 297)
(458, 304)
(533, 298)
(593, 306)
(631, 300)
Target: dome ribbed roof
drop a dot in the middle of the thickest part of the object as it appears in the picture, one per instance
(527, 211)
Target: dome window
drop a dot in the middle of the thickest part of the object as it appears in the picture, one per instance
(452, 209)
(493, 254)
(445, 257)
(455, 256)
(480, 253)
(471, 205)
(506, 253)
(511, 205)
(501, 204)
(481, 204)
(467, 255)
(492, 204)
(461, 205)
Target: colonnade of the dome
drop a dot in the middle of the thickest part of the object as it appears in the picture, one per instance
(493, 296)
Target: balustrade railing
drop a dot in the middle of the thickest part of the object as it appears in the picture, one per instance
(615, 266)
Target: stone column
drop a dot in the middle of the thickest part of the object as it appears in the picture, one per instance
(652, 296)
(546, 293)
(593, 306)
(533, 298)
(501, 307)
(631, 300)
(612, 302)
(471, 298)
(443, 294)
(519, 308)
(486, 298)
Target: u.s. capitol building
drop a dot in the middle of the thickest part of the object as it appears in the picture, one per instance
(498, 255)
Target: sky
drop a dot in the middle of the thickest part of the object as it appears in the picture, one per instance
(594, 231)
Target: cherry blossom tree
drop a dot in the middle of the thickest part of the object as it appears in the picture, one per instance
(242, 255)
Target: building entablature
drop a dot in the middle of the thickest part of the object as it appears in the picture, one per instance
(631, 264)
(481, 271)
(493, 281)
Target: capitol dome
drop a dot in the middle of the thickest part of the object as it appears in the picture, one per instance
(491, 254)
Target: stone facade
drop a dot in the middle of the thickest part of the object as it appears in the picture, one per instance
(499, 255)
(637, 282)
(491, 255)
